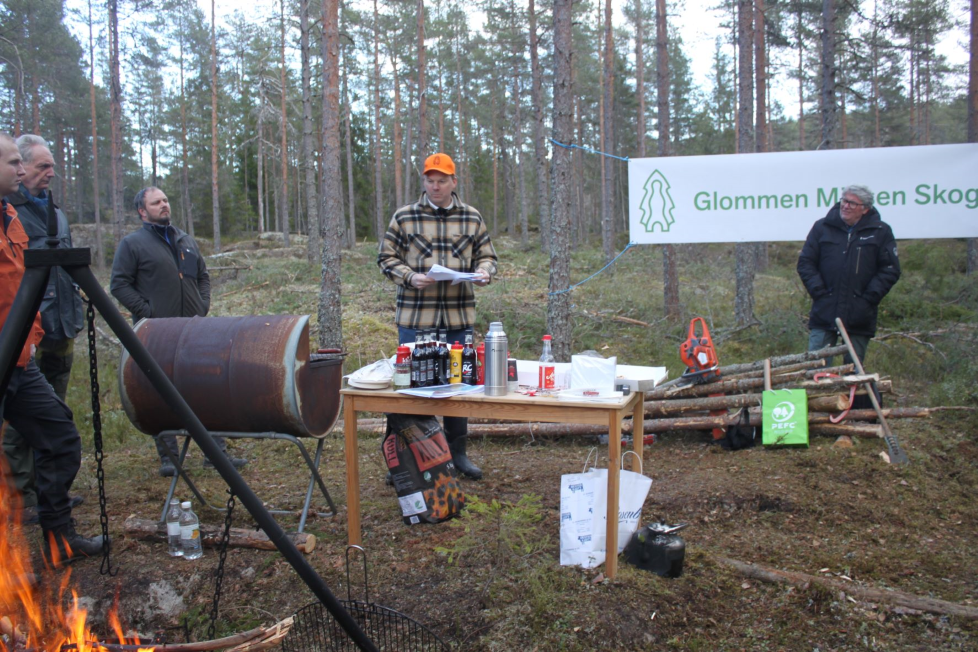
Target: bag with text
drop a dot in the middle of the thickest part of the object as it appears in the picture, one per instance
(422, 471)
(785, 417)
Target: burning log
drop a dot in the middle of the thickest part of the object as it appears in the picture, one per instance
(148, 530)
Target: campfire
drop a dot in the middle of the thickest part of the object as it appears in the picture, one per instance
(37, 616)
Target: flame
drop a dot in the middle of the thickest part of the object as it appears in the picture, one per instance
(32, 616)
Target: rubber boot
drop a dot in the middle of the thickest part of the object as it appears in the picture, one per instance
(65, 545)
(456, 444)
(166, 446)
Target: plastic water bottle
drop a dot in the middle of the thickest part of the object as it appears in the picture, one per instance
(173, 529)
(190, 541)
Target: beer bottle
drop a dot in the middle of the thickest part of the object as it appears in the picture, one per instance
(431, 356)
(444, 366)
(468, 362)
(416, 356)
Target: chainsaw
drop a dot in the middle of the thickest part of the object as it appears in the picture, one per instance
(699, 356)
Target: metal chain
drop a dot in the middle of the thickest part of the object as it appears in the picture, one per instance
(222, 557)
(106, 568)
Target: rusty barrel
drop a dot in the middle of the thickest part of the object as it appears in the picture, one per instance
(238, 374)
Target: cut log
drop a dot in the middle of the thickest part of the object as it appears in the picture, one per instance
(801, 366)
(148, 530)
(850, 429)
(793, 380)
(683, 405)
(865, 593)
(833, 403)
(783, 360)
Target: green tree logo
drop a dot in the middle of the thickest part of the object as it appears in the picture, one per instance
(657, 204)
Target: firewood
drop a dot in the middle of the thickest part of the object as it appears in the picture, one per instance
(887, 597)
(850, 429)
(792, 380)
(833, 403)
(783, 360)
(148, 530)
(800, 366)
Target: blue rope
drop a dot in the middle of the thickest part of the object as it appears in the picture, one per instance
(627, 247)
(588, 149)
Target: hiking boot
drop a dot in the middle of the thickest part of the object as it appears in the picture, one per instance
(236, 462)
(463, 464)
(64, 546)
(167, 470)
(28, 516)
(75, 501)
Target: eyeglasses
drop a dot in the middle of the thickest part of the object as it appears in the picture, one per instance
(851, 204)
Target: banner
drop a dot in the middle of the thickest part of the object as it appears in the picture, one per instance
(922, 192)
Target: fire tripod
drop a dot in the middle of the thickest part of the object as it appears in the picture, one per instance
(13, 336)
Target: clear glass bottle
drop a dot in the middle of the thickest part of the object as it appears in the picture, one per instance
(402, 368)
(173, 529)
(548, 376)
(193, 547)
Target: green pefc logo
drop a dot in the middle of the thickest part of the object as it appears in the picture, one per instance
(657, 204)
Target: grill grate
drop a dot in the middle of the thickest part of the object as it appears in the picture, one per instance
(315, 630)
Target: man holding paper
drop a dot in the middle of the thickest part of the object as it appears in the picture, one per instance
(438, 230)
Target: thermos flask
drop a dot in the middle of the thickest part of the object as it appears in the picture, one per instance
(497, 350)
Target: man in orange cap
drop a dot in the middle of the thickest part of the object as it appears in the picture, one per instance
(438, 229)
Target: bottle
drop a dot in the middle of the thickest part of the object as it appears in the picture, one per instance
(402, 368)
(444, 367)
(416, 356)
(456, 363)
(468, 362)
(480, 364)
(548, 374)
(431, 360)
(173, 529)
(496, 352)
(190, 533)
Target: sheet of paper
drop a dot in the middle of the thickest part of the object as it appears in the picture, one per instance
(443, 391)
(441, 273)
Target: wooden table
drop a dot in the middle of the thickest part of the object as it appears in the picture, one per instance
(511, 407)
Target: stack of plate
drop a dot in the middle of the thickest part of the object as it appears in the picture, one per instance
(360, 383)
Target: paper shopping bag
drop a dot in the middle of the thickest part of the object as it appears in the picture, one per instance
(633, 489)
(785, 417)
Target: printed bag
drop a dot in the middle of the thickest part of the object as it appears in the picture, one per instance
(417, 454)
(785, 417)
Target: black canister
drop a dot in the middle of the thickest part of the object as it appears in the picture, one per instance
(651, 550)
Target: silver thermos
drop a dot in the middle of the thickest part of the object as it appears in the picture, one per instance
(497, 351)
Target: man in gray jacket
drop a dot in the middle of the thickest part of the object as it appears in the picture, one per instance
(158, 272)
(62, 312)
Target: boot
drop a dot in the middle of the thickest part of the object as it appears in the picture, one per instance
(166, 446)
(64, 546)
(461, 460)
(237, 462)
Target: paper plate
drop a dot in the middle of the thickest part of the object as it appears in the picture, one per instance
(369, 384)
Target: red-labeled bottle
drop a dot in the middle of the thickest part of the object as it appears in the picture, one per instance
(480, 363)
(469, 373)
(548, 371)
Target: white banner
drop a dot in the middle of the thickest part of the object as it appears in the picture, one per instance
(922, 192)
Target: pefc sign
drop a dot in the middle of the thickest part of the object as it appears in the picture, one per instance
(922, 192)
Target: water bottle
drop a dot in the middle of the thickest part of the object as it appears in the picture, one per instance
(497, 351)
(173, 529)
(193, 547)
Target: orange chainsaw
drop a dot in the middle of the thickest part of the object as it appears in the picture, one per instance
(702, 366)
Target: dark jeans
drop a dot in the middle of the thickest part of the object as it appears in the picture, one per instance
(820, 338)
(45, 423)
(54, 359)
(455, 427)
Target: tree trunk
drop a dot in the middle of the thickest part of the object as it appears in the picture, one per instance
(670, 273)
(561, 184)
(829, 116)
(262, 197)
(422, 90)
(973, 115)
(330, 293)
(745, 252)
(607, 140)
(215, 187)
(185, 208)
(539, 143)
(801, 81)
(640, 73)
(308, 157)
(96, 192)
(351, 231)
(283, 205)
(378, 161)
(118, 213)
(518, 147)
(760, 67)
(398, 134)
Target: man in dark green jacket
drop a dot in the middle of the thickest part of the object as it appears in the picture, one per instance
(62, 312)
(158, 272)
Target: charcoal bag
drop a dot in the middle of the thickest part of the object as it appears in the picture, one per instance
(420, 462)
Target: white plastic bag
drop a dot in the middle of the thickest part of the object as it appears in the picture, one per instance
(584, 513)
(633, 489)
(577, 517)
(589, 372)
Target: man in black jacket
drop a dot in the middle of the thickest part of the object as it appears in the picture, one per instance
(62, 312)
(848, 264)
(158, 272)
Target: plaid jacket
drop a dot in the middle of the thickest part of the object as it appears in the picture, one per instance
(417, 238)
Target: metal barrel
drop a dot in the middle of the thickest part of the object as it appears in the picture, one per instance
(238, 374)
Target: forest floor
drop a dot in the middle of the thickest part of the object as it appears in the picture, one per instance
(491, 580)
